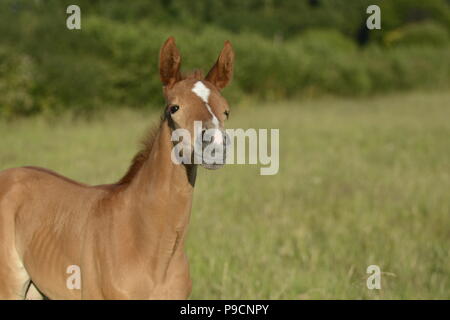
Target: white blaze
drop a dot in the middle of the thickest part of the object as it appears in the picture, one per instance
(203, 93)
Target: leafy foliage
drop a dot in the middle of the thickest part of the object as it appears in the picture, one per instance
(284, 49)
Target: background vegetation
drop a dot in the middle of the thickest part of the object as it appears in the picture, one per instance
(285, 49)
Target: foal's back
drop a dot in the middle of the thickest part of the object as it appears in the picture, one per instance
(42, 229)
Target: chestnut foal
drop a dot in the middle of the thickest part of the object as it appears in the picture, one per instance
(127, 238)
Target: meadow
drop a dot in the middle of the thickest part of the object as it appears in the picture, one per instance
(362, 181)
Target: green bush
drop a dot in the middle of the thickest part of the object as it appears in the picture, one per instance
(318, 41)
(16, 83)
(425, 33)
(113, 60)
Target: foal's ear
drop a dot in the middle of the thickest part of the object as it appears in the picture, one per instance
(169, 63)
(222, 72)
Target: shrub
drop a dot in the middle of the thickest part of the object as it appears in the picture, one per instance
(16, 83)
(113, 62)
(420, 34)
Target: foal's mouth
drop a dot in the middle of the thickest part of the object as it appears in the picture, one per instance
(212, 163)
(212, 166)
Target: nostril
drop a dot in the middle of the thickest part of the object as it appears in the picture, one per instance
(212, 136)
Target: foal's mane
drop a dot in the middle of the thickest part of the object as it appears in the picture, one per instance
(149, 139)
(139, 159)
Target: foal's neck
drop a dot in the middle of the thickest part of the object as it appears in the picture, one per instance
(159, 195)
(158, 176)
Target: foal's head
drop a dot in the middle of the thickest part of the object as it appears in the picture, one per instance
(197, 98)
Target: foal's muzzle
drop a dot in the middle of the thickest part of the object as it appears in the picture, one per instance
(213, 144)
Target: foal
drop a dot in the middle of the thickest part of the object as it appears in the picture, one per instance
(127, 238)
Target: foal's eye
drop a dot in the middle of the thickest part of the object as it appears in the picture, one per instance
(174, 109)
(227, 113)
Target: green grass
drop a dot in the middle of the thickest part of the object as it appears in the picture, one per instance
(361, 182)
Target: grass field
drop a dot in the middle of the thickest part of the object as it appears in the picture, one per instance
(361, 182)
